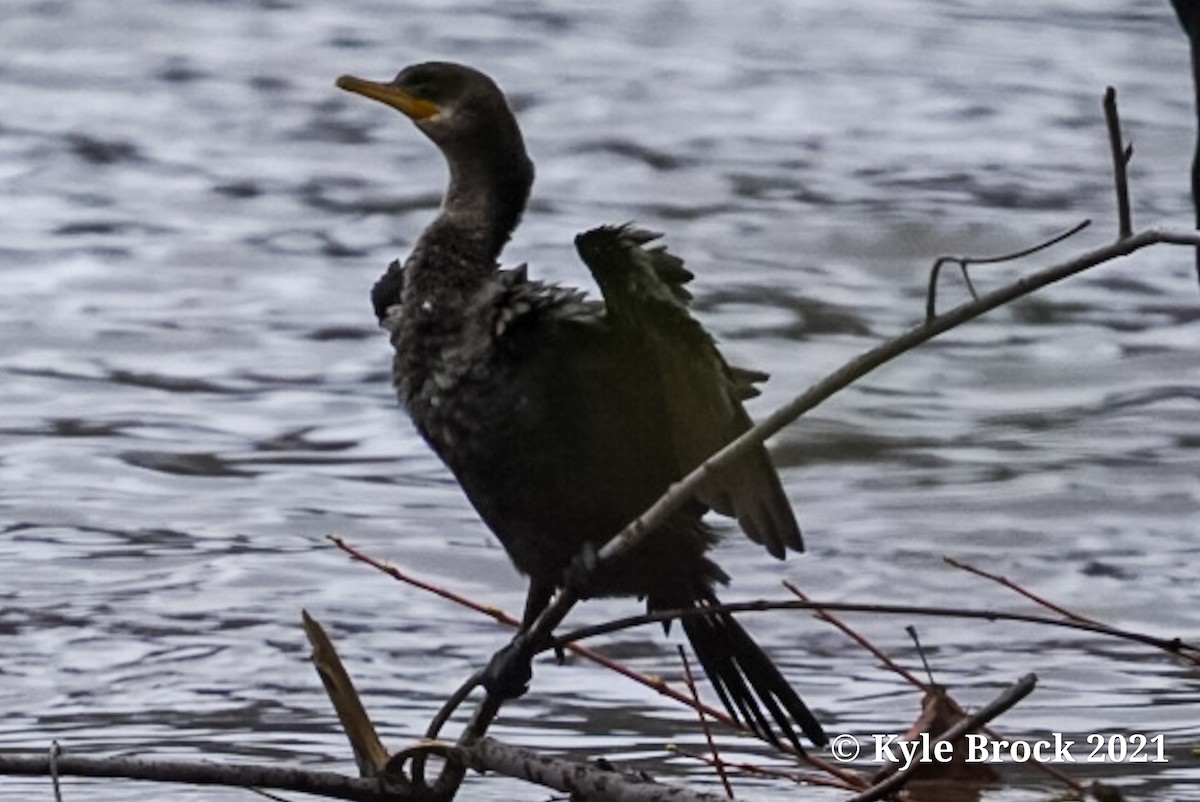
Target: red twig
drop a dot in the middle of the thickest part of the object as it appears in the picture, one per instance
(857, 638)
(717, 762)
(1013, 586)
(395, 573)
(655, 683)
(1042, 601)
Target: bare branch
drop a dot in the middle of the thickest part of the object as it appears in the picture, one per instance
(1170, 645)
(1120, 158)
(580, 780)
(397, 574)
(1013, 586)
(321, 783)
(964, 261)
(716, 761)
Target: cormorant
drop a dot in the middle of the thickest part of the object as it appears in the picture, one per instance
(565, 418)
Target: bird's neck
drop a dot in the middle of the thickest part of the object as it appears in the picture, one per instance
(485, 199)
(459, 250)
(483, 203)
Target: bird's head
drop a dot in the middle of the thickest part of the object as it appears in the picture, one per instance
(450, 103)
(465, 114)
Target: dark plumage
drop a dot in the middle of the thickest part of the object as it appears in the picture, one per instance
(564, 418)
(1189, 17)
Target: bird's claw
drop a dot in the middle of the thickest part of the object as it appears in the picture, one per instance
(509, 671)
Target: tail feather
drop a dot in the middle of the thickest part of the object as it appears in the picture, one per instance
(747, 682)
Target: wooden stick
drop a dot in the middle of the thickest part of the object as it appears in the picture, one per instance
(1121, 155)
(321, 783)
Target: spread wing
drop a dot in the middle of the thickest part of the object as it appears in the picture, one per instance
(644, 289)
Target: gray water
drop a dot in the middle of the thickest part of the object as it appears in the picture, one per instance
(193, 393)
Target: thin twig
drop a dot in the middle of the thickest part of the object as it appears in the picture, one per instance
(1170, 645)
(717, 762)
(964, 261)
(991, 710)
(485, 714)
(912, 633)
(823, 610)
(822, 614)
(1013, 586)
(1120, 158)
(1184, 652)
(436, 590)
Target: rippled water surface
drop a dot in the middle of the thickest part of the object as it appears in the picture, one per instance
(193, 393)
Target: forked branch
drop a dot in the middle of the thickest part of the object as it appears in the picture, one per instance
(964, 262)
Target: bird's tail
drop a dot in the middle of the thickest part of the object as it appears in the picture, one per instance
(750, 686)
